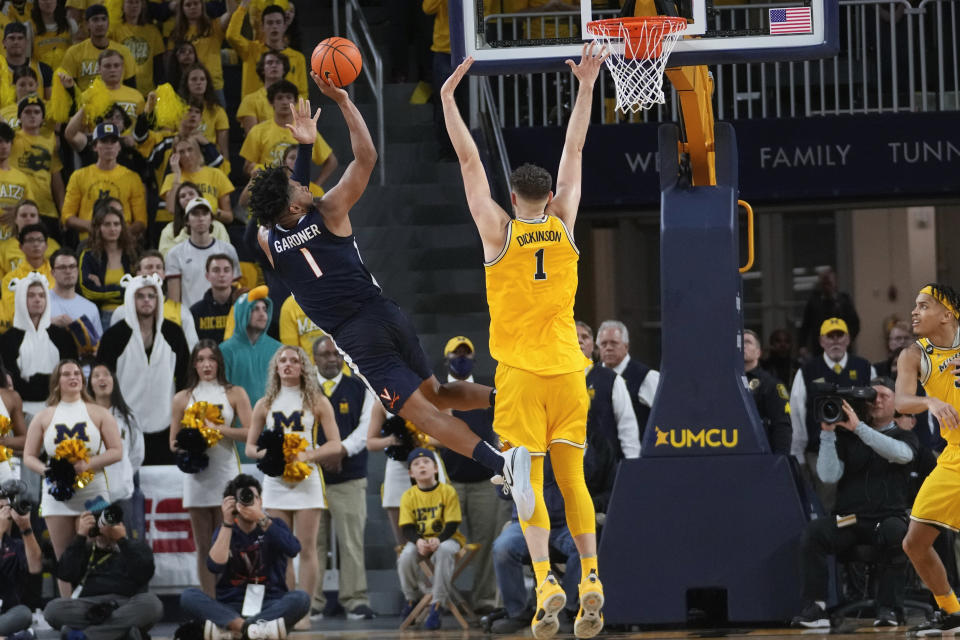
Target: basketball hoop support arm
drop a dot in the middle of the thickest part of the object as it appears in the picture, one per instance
(694, 87)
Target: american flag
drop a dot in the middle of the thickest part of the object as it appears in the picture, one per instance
(792, 20)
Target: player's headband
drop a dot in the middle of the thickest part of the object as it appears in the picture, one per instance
(942, 299)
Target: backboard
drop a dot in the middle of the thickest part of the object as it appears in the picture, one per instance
(519, 36)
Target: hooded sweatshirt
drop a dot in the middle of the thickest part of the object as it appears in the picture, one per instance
(246, 362)
(30, 352)
(148, 380)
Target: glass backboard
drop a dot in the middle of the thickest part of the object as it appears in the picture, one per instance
(513, 36)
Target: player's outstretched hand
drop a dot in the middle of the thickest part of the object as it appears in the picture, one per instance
(944, 413)
(589, 65)
(303, 127)
(446, 91)
(329, 89)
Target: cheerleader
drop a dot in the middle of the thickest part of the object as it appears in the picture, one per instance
(294, 403)
(13, 431)
(203, 490)
(72, 415)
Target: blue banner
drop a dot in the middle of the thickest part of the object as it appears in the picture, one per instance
(789, 161)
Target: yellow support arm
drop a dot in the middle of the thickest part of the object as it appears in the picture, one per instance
(695, 89)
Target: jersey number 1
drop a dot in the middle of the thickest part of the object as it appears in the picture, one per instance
(313, 263)
(539, 275)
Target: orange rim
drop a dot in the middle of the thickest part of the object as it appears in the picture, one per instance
(636, 26)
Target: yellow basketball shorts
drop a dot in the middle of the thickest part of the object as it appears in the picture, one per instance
(938, 501)
(535, 411)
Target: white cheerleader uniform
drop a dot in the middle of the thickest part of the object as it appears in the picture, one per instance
(288, 411)
(71, 420)
(7, 469)
(205, 489)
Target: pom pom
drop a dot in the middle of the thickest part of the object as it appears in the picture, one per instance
(294, 470)
(397, 426)
(190, 441)
(58, 108)
(96, 101)
(60, 474)
(72, 450)
(5, 453)
(5, 426)
(170, 109)
(191, 462)
(196, 417)
(273, 463)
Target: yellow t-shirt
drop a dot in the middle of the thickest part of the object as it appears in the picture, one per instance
(144, 42)
(14, 187)
(9, 114)
(11, 256)
(441, 24)
(86, 185)
(6, 295)
(15, 15)
(531, 288)
(208, 49)
(214, 119)
(37, 158)
(50, 46)
(296, 329)
(211, 182)
(431, 510)
(256, 104)
(267, 141)
(250, 52)
(81, 62)
(129, 98)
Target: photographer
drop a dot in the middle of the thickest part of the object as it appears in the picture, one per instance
(249, 554)
(18, 557)
(871, 466)
(110, 573)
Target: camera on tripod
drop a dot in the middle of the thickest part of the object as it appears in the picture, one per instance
(15, 492)
(109, 517)
(828, 407)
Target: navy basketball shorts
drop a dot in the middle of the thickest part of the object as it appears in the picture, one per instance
(382, 345)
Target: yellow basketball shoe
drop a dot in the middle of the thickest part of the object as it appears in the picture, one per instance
(589, 620)
(550, 601)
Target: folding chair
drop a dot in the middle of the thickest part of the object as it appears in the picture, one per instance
(457, 604)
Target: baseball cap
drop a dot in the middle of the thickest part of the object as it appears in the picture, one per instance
(96, 10)
(14, 27)
(455, 342)
(420, 452)
(833, 324)
(29, 100)
(884, 381)
(196, 202)
(105, 130)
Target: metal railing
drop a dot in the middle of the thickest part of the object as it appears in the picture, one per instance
(359, 32)
(894, 57)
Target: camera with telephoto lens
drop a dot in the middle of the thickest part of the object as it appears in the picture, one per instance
(109, 517)
(246, 496)
(828, 407)
(15, 492)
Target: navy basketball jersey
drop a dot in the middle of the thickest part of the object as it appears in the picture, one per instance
(324, 271)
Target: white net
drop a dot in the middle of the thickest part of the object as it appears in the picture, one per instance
(638, 57)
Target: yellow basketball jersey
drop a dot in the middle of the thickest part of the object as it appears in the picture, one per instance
(531, 287)
(936, 376)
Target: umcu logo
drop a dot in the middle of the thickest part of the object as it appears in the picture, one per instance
(711, 438)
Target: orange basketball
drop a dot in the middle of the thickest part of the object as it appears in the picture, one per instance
(338, 60)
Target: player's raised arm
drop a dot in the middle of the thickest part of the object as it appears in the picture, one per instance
(490, 218)
(566, 201)
(336, 202)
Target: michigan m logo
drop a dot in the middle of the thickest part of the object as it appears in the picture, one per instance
(293, 421)
(79, 431)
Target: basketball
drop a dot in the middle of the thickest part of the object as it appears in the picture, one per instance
(338, 60)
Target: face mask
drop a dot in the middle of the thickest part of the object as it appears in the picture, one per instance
(460, 366)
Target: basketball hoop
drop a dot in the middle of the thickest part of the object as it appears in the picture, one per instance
(638, 62)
